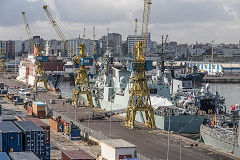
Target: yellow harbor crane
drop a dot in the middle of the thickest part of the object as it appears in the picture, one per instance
(40, 75)
(139, 99)
(82, 85)
(3, 67)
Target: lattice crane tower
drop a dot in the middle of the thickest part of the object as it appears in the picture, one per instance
(139, 99)
(82, 84)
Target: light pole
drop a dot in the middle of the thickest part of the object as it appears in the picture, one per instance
(180, 149)
(168, 135)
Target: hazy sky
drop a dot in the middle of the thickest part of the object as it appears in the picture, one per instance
(183, 20)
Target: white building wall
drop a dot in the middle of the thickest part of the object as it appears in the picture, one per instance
(107, 152)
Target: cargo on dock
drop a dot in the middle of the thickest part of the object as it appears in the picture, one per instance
(33, 138)
(11, 137)
(76, 155)
(23, 156)
(8, 118)
(39, 109)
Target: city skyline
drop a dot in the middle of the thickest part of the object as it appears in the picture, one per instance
(185, 21)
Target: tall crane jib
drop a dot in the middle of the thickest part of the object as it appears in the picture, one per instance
(58, 30)
(29, 33)
(82, 85)
(139, 99)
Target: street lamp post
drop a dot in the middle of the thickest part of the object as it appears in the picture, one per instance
(168, 135)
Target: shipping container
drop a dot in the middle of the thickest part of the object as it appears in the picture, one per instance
(7, 118)
(15, 97)
(55, 125)
(20, 101)
(76, 155)
(41, 124)
(10, 137)
(23, 156)
(3, 91)
(48, 151)
(1, 85)
(4, 156)
(39, 109)
(29, 110)
(33, 137)
(75, 134)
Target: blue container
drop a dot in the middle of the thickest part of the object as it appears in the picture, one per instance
(86, 61)
(33, 138)
(75, 134)
(4, 91)
(15, 97)
(48, 151)
(4, 156)
(20, 100)
(10, 137)
(42, 58)
(149, 65)
(23, 155)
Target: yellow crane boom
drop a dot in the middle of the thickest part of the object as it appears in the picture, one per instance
(58, 30)
(145, 23)
(139, 99)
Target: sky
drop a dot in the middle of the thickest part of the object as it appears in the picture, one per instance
(185, 21)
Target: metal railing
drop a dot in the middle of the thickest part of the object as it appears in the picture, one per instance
(90, 132)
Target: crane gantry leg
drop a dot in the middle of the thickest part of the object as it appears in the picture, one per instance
(82, 84)
(40, 75)
(139, 95)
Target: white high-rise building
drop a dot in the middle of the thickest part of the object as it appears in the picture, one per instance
(131, 39)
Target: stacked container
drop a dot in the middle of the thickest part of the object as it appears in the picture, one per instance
(39, 109)
(56, 124)
(33, 138)
(10, 137)
(74, 132)
(47, 131)
(23, 156)
(7, 118)
(4, 156)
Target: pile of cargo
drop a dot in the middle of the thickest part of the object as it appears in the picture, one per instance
(67, 128)
(15, 99)
(3, 92)
(28, 135)
(76, 155)
(37, 109)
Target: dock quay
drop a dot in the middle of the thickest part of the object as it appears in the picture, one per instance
(151, 144)
(221, 79)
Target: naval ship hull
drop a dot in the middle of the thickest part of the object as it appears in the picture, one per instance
(220, 139)
(178, 123)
